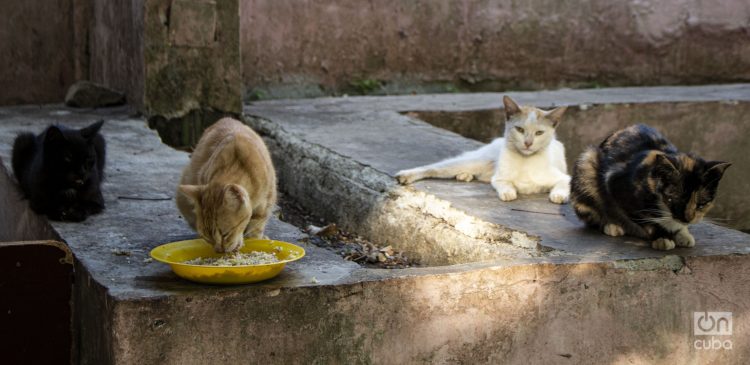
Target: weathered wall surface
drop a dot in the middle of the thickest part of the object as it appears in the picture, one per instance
(36, 50)
(45, 46)
(527, 314)
(306, 48)
(309, 48)
(116, 47)
(191, 57)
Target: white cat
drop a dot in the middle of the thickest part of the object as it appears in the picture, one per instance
(527, 159)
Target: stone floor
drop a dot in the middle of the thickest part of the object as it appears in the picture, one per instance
(522, 281)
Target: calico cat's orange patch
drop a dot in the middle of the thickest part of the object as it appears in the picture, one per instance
(687, 162)
(651, 157)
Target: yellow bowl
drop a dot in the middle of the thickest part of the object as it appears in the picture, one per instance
(176, 253)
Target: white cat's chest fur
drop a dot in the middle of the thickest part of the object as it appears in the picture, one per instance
(532, 174)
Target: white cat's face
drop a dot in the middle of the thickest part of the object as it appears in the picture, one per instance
(529, 129)
(529, 135)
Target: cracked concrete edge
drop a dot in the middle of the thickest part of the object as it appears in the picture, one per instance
(370, 202)
(472, 227)
(671, 262)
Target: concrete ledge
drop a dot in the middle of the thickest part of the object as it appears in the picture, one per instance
(584, 313)
(338, 157)
(365, 200)
(620, 306)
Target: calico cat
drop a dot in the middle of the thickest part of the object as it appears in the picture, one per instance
(61, 170)
(229, 187)
(527, 160)
(637, 183)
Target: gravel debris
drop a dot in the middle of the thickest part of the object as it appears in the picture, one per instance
(350, 246)
(119, 252)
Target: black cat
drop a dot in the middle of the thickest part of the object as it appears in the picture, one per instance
(60, 171)
(637, 183)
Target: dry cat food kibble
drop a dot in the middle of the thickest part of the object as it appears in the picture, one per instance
(236, 259)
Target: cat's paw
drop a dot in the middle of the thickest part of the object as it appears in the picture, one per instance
(559, 196)
(613, 230)
(73, 215)
(465, 177)
(406, 177)
(507, 194)
(663, 244)
(683, 238)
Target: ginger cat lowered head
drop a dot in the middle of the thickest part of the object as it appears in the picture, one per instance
(228, 189)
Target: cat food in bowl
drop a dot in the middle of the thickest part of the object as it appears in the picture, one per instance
(257, 260)
(237, 259)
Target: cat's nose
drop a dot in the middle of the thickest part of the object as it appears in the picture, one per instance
(79, 182)
(527, 144)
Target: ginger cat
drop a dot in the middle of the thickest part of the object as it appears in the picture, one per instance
(229, 187)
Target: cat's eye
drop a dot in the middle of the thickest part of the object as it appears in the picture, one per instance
(519, 129)
(539, 133)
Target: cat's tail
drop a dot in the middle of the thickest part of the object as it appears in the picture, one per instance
(23, 152)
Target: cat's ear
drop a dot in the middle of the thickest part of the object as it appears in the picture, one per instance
(91, 130)
(192, 192)
(664, 166)
(511, 108)
(715, 170)
(555, 115)
(235, 197)
(53, 135)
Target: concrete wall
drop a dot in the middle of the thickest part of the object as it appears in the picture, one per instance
(47, 45)
(116, 47)
(37, 46)
(17, 221)
(529, 314)
(306, 48)
(192, 57)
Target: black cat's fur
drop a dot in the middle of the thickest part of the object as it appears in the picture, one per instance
(61, 170)
(637, 183)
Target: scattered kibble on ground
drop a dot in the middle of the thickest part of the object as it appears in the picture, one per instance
(350, 246)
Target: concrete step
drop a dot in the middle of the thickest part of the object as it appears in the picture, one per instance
(531, 301)
(338, 156)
